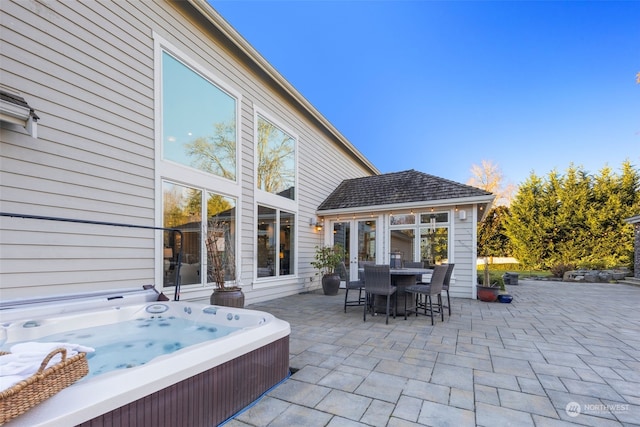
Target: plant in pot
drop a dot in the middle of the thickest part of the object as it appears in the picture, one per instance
(326, 260)
(221, 265)
(487, 291)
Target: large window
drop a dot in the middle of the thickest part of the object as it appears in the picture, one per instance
(198, 121)
(433, 230)
(276, 159)
(197, 169)
(275, 242)
(183, 209)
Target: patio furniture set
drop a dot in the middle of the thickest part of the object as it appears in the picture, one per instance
(384, 289)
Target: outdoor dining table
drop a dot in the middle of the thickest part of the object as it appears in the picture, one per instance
(401, 278)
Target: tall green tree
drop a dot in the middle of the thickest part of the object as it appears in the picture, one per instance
(492, 238)
(575, 218)
(574, 199)
(523, 224)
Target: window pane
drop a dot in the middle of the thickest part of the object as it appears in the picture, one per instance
(434, 246)
(403, 219)
(221, 238)
(198, 121)
(439, 217)
(366, 241)
(287, 245)
(276, 160)
(403, 241)
(266, 241)
(182, 209)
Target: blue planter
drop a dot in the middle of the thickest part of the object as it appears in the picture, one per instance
(505, 298)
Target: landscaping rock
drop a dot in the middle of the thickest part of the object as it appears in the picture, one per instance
(595, 276)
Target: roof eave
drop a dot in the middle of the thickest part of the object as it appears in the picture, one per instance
(477, 200)
(241, 43)
(632, 220)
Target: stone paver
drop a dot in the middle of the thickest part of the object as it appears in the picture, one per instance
(529, 363)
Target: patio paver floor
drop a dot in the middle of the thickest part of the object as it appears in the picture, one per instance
(556, 346)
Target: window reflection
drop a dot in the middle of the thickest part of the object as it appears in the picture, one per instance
(198, 121)
(275, 242)
(434, 246)
(276, 160)
(286, 252)
(266, 241)
(182, 208)
(403, 242)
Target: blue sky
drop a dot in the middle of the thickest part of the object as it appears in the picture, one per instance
(440, 86)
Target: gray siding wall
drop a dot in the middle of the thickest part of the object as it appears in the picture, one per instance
(464, 254)
(87, 69)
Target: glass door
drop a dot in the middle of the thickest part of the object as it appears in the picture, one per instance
(360, 248)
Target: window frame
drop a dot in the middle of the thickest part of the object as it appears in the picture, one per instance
(185, 175)
(418, 225)
(273, 201)
(278, 277)
(262, 196)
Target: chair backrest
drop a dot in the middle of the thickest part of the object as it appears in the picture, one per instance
(437, 279)
(377, 278)
(447, 277)
(342, 271)
(413, 264)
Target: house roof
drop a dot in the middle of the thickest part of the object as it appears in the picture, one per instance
(407, 188)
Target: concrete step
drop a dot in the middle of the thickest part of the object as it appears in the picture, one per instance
(634, 281)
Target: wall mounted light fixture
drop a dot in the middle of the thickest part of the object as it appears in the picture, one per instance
(313, 222)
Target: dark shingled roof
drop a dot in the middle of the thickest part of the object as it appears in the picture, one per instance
(396, 188)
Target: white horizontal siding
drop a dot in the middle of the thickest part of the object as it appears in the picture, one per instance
(464, 255)
(90, 79)
(87, 69)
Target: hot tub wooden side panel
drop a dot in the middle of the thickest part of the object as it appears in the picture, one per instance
(208, 398)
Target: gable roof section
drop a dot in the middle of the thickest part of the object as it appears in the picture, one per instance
(407, 188)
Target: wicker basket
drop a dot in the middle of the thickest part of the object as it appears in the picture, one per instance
(26, 394)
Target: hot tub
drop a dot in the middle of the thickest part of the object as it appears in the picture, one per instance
(199, 385)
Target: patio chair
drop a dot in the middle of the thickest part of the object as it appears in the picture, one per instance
(445, 285)
(413, 264)
(428, 291)
(377, 282)
(351, 285)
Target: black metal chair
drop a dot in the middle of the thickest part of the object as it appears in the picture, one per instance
(377, 281)
(351, 285)
(428, 291)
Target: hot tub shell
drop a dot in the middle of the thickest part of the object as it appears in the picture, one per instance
(200, 385)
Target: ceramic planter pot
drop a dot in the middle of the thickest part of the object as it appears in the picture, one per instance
(487, 294)
(228, 297)
(330, 284)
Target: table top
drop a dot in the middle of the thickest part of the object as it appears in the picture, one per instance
(409, 271)
(406, 271)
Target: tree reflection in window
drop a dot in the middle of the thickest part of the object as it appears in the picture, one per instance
(434, 245)
(221, 228)
(276, 160)
(198, 120)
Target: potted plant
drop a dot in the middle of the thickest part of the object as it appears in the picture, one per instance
(326, 260)
(487, 291)
(221, 265)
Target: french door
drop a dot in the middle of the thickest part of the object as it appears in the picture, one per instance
(359, 245)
